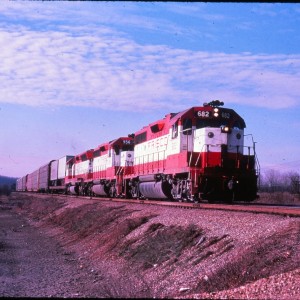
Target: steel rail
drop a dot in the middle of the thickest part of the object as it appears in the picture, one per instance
(287, 210)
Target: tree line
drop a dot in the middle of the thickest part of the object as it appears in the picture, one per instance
(275, 181)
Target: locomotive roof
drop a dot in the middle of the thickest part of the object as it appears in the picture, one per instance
(172, 118)
(115, 142)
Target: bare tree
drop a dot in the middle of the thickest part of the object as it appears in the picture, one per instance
(276, 181)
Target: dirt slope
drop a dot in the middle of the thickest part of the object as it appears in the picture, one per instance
(131, 250)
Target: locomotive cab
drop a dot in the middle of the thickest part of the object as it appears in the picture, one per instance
(226, 173)
(219, 140)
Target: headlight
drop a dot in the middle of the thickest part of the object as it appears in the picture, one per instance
(238, 136)
(210, 134)
(225, 129)
(216, 112)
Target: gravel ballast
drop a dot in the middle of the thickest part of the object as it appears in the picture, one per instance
(72, 247)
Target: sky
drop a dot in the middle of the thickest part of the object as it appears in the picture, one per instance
(76, 74)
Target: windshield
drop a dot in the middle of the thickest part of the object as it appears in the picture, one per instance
(216, 123)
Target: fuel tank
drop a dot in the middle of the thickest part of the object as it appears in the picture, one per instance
(155, 190)
(99, 189)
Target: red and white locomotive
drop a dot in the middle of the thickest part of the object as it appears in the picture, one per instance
(195, 154)
(101, 171)
(187, 156)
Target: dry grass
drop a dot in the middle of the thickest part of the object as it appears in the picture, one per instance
(159, 244)
(279, 198)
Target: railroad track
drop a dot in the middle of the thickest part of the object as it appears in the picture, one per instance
(286, 210)
(293, 211)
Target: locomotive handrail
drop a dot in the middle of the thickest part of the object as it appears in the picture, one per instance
(119, 170)
(257, 164)
(153, 163)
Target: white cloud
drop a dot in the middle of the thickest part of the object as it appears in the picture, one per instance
(101, 68)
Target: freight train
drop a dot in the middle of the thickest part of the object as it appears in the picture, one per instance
(196, 154)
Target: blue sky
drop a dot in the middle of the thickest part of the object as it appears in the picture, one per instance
(76, 74)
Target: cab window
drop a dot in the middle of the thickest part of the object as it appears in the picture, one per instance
(175, 130)
(187, 126)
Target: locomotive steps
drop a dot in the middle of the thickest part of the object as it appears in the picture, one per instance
(155, 251)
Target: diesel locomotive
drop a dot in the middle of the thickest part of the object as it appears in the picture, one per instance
(196, 154)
